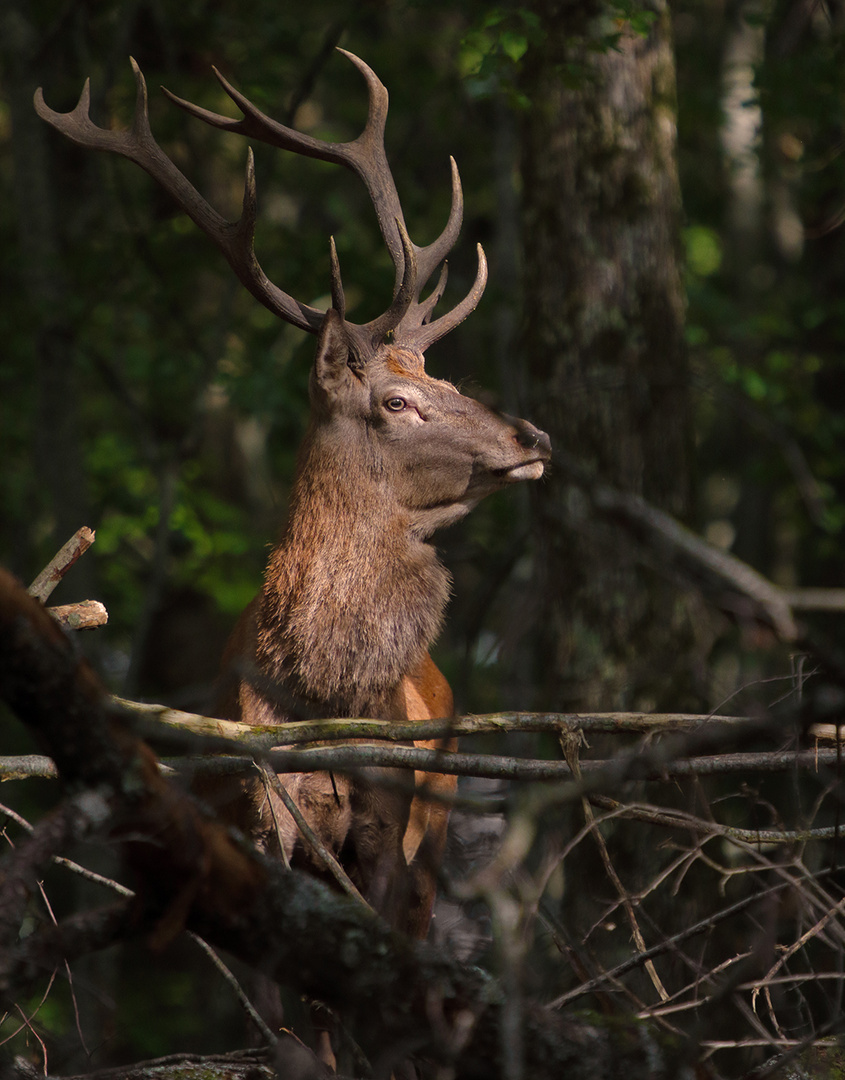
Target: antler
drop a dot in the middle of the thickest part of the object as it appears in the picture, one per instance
(235, 239)
(407, 318)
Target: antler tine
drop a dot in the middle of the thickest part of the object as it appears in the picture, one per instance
(424, 310)
(338, 299)
(405, 296)
(234, 240)
(254, 124)
(430, 257)
(426, 335)
(365, 155)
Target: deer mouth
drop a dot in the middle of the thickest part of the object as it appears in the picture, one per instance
(528, 470)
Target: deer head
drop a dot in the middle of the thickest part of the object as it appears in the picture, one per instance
(432, 451)
(443, 451)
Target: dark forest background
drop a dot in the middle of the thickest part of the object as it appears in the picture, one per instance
(659, 190)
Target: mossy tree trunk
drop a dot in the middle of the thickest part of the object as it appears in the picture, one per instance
(604, 345)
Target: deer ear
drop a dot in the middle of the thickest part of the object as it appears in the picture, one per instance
(331, 365)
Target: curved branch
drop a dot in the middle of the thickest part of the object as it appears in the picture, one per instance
(744, 578)
(266, 736)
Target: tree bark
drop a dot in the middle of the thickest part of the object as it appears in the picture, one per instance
(604, 345)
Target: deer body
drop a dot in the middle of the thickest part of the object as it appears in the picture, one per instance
(354, 593)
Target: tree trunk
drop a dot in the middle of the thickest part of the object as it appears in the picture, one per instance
(605, 349)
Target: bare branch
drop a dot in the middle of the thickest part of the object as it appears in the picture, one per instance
(732, 570)
(27, 765)
(570, 750)
(599, 773)
(774, 604)
(266, 1034)
(72, 820)
(815, 599)
(665, 946)
(310, 837)
(506, 722)
(121, 890)
(828, 732)
(239, 1065)
(59, 565)
(197, 877)
(672, 819)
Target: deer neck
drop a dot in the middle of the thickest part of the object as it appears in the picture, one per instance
(351, 600)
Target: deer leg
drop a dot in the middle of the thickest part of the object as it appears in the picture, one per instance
(424, 869)
(374, 855)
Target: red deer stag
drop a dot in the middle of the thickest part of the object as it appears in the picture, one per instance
(354, 594)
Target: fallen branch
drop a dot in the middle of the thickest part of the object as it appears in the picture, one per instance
(240, 1065)
(196, 876)
(733, 571)
(827, 732)
(641, 767)
(322, 853)
(774, 604)
(645, 765)
(677, 819)
(267, 736)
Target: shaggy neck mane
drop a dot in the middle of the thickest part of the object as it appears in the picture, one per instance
(351, 600)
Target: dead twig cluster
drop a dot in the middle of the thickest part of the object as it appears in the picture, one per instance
(682, 870)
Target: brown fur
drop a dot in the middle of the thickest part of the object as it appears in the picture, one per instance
(352, 599)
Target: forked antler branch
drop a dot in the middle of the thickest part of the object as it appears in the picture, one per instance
(407, 318)
(235, 239)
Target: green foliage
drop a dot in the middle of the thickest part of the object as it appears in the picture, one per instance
(639, 17)
(703, 250)
(493, 50)
(765, 321)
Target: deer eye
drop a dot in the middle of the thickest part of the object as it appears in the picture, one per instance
(395, 404)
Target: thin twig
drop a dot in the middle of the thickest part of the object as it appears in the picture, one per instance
(570, 751)
(69, 974)
(122, 890)
(785, 954)
(320, 850)
(68, 864)
(268, 1036)
(664, 946)
(674, 819)
(27, 1022)
(265, 780)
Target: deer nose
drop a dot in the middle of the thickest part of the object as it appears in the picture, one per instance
(532, 438)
